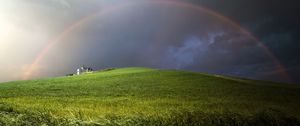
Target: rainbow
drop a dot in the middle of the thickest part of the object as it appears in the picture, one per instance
(29, 71)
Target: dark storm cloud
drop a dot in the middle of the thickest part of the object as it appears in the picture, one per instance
(164, 36)
(185, 55)
(275, 22)
(167, 37)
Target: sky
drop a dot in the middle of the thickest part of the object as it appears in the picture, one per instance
(255, 39)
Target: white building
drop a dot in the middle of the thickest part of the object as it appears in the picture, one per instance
(83, 70)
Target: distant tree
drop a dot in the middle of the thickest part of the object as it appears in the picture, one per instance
(90, 69)
(69, 74)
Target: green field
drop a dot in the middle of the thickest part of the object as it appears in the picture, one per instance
(144, 96)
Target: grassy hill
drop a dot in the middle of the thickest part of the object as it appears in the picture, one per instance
(144, 96)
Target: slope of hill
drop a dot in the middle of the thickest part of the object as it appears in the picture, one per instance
(144, 96)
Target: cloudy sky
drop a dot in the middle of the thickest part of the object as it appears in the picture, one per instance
(46, 38)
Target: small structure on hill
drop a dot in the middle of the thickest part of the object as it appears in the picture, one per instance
(84, 69)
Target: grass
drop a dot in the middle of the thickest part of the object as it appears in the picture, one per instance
(144, 96)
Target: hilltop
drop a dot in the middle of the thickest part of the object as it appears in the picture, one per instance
(145, 96)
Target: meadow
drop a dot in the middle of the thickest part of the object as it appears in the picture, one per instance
(145, 96)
